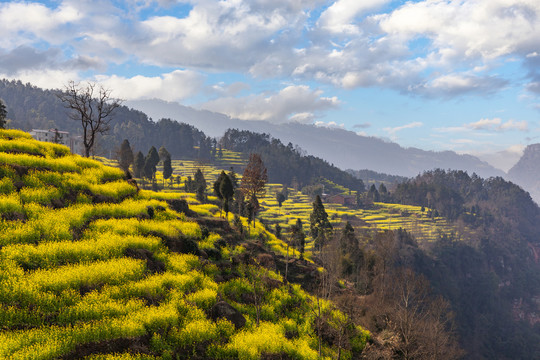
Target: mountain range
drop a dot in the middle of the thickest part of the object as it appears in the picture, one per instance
(31, 107)
(345, 149)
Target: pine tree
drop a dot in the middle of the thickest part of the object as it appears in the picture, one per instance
(320, 226)
(224, 190)
(167, 168)
(227, 191)
(280, 198)
(3, 115)
(373, 194)
(278, 231)
(238, 224)
(298, 237)
(383, 192)
(150, 163)
(125, 156)
(233, 177)
(200, 186)
(220, 152)
(138, 165)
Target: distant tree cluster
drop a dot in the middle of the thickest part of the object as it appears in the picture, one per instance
(145, 167)
(285, 163)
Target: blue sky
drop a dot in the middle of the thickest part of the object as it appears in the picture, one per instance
(437, 75)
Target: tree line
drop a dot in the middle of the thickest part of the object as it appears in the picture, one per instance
(285, 163)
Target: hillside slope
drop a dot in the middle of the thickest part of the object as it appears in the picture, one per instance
(526, 172)
(93, 268)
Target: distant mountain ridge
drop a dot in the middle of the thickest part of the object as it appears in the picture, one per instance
(526, 172)
(345, 149)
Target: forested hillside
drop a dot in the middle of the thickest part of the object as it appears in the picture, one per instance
(492, 277)
(286, 163)
(30, 108)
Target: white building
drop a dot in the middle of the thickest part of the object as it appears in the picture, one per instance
(74, 143)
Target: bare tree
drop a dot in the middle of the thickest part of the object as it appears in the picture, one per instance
(93, 106)
(253, 182)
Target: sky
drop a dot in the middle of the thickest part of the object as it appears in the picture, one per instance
(436, 75)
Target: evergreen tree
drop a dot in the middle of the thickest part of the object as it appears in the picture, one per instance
(348, 240)
(280, 198)
(214, 148)
(227, 191)
(278, 231)
(189, 185)
(373, 194)
(125, 156)
(238, 224)
(233, 177)
(285, 191)
(3, 115)
(383, 192)
(220, 152)
(200, 186)
(298, 237)
(320, 226)
(224, 190)
(150, 163)
(138, 165)
(167, 168)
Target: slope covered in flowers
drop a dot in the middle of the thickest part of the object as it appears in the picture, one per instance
(93, 268)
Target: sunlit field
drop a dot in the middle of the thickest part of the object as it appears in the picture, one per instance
(88, 262)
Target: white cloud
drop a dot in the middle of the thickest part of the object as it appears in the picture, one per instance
(297, 103)
(225, 35)
(455, 84)
(350, 44)
(485, 124)
(230, 89)
(514, 125)
(392, 131)
(496, 124)
(330, 124)
(44, 78)
(23, 23)
(172, 86)
(339, 17)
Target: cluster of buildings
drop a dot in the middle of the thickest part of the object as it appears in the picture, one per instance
(74, 143)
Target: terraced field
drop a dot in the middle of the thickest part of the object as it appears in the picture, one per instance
(93, 268)
(299, 206)
(382, 217)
